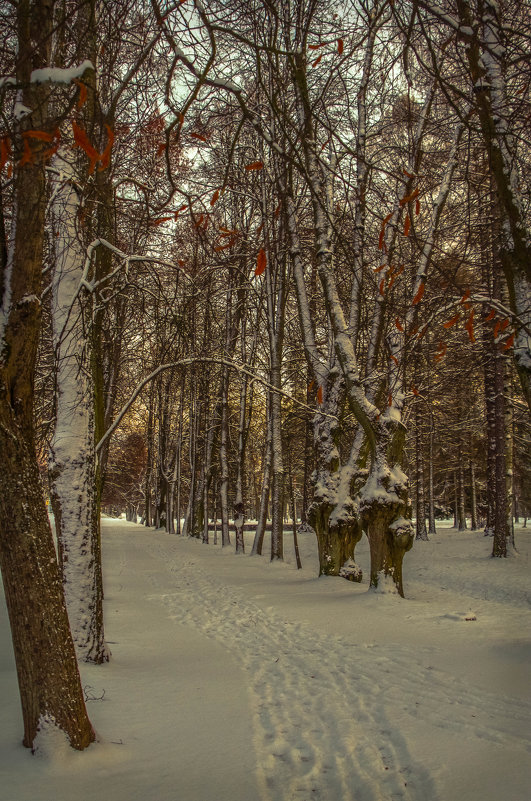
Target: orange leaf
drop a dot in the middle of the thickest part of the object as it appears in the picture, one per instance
(199, 136)
(420, 292)
(81, 139)
(340, 46)
(465, 297)
(469, 325)
(44, 136)
(414, 390)
(381, 288)
(317, 60)
(442, 351)
(407, 225)
(452, 321)
(399, 324)
(27, 155)
(311, 385)
(219, 248)
(400, 270)
(82, 93)
(504, 323)
(509, 343)
(320, 395)
(490, 315)
(380, 268)
(407, 198)
(214, 197)
(255, 165)
(496, 329)
(261, 262)
(5, 151)
(393, 357)
(409, 175)
(105, 158)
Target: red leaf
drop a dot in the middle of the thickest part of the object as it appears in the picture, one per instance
(409, 175)
(227, 231)
(504, 323)
(277, 210)
(82, 93)
(316, 47)
(214, 197)
(340, 46)
(407, 198)
(509, 343)
(317, 60)
(255, 165)
(469, 325)
(443, 347)
(27, 155)
(311, 385)
(417, 206)
(320, 395)
(399, 325)
(465, 297)
(81, 139)
(380, 268)
(199, 136)
(393, 357)
(496, 329)
(199, 220)
(452, 321)
(261, 262)
(161, 220)
(105, 158)
(414, 390)
(407, 225)
(420, 292)
(381, 288)
(43, 136)
(5, 151)
(260, 229)
(490, 315)
(390, 400)
(161, 149)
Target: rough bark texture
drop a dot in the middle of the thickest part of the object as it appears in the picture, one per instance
(48, 677)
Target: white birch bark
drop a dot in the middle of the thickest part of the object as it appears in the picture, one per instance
(72, 453)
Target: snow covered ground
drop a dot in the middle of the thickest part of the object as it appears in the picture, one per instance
(236, 680)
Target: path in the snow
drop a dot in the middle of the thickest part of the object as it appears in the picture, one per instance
(319, 702)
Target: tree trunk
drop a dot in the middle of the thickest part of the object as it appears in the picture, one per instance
(48, 678)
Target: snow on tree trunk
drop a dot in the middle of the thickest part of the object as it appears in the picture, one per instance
(72, 450)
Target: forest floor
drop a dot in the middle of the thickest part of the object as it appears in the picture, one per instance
(233, 679)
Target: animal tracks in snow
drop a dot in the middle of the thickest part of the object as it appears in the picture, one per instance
(320, 702)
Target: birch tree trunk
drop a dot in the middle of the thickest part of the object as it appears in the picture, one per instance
(72, 452)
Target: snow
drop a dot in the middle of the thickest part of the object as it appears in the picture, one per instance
(59, 74)
(244, 680)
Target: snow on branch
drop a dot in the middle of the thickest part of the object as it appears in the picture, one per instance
(60, 75)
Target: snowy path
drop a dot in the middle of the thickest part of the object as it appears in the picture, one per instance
(319, 702)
